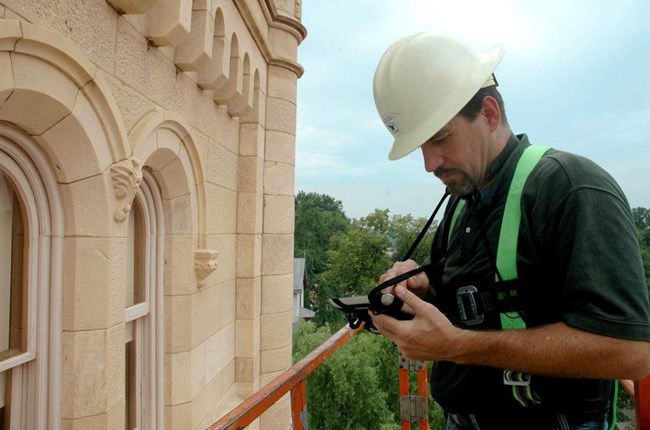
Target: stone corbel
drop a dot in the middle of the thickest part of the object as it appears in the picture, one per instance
(126, 177)
(205, 262)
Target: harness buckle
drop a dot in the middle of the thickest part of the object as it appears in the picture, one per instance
(467, 307)
(516, 379)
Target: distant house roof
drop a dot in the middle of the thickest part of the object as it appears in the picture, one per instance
(299, 275)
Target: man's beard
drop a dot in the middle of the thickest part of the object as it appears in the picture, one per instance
(458, 188)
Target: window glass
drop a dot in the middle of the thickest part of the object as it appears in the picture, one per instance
(13, 298)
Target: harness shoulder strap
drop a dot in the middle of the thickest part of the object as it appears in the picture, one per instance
(509, 234)
(506, 259)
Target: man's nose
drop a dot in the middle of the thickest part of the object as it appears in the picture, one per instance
(432, 158)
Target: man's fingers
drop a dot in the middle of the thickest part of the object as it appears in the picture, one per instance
(408, 297)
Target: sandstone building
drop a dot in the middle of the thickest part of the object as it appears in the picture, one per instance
(146, 209)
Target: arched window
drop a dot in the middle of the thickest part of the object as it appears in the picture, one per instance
(30, 255)
(143, 314)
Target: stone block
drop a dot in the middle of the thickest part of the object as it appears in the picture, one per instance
(278, 214)
(274, 360)
(168, 22)
(285, 45)
(250, 174)
(277, 294)
(280, 147)
(219, 351)
(275, 332)
(279, 178)
(221, 209)
(180, 278)
(281, 115)
(250, 212)
(93, 279)
(222, 167)
(195, 51)
(131, 103)
(178, 323)
(247, 343)
(178, 416)
(282, 84)
(81, 134)
(249, 298)
(249, 255)
(205, 317)
(92, 26)
(178, 378)
(85, 363)
(43, 95)
(252, 140)
(205, 400)
(277, 254)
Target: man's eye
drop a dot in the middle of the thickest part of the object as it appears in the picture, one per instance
(440, 139)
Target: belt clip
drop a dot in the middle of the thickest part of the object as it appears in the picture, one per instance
(466, 295)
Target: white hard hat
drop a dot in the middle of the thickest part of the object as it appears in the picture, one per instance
(422, 81)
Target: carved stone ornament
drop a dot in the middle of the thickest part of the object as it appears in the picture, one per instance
(205, 262)
(126, 176)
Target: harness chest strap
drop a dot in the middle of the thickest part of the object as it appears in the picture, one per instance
(506, 258)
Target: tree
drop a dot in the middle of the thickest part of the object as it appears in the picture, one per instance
(346, 392)
(317, 218)
(403, 231)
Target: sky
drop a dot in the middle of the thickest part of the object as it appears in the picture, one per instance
(575, 76)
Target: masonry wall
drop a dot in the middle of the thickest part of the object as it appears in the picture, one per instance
(199, 97)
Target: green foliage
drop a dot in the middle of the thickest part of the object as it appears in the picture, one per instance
(347, 391)
(403, 230)
(317, 218)
(356, 260)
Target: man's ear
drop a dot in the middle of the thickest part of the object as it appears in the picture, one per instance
(491, 112)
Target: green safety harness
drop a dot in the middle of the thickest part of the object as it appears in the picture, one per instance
(506, 264)
(506, 259)
(505, 274)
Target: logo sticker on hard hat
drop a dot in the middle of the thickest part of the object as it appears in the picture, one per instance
(392, 125)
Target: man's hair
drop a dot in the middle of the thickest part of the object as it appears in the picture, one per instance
(473, 107)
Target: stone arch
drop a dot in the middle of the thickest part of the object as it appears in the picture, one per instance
(241, 104)
(36, 184)
(224, 93)
(214, 73)
(50, 89)
(161, 140)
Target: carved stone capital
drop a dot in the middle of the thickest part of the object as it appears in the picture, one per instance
(205, 262)
(126, 177)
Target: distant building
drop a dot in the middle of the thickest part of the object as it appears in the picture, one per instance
(147, 152)
(299, 284)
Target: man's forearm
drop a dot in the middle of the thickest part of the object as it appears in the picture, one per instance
(555, 350)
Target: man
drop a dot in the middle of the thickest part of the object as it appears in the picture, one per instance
(534, 344)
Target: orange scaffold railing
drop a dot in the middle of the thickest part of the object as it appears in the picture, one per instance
(293, 380)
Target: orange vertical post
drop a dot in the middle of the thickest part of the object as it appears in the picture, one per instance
(404, 392)
(299, 406)
(642, 401)
(413, 408)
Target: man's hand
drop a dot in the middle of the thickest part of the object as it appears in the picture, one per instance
(576, 353)
(419, 283)
(428, 336)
